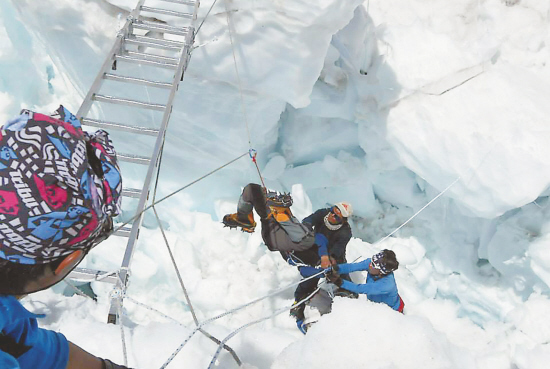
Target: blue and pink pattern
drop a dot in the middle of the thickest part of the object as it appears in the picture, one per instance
(60, 187)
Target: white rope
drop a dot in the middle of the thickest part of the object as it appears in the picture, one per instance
(473, 170)
(205, 17)
(175, 265)
(236, 331)
(179, 348)
(237, 73)
(232, 311)
(77, 290)
(122, 336)
(229, 312)
(419, 211)
(176, 192)
(128, 298)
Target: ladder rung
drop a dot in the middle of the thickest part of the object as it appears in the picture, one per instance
(131, 192)
(160, 41)
(153, 57)
(120, 127)
(130, 158)
(182, 2)
(128, 102)
(143, 61)
(123, 232)
(90, 275)
(166, 12)
(152, 42)
(160, 27)
(139, 81)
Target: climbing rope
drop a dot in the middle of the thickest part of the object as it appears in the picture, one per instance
(237, 72)
(252, 152)
(77, 290)
(145, 306)
(174, 264)
(234, 310)
(472, 170)
(177, 191)
(122, 336)
(205, 17)
(418, 212)
(277, 312)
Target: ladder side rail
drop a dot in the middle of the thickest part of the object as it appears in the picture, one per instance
(88, 101)
(134, 233)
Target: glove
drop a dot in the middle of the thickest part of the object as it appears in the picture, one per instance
(334, 278)
(334, 265)
(108, 364)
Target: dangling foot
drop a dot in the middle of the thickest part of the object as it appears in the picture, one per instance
(301, 326)
(298, 311)
(245, 221)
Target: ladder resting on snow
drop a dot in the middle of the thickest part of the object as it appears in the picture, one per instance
(138, 42)
(143, 42)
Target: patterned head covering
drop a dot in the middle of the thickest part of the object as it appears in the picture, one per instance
(378, 262)
(59, 187)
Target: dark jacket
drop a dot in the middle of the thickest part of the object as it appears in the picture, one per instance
(337, 240)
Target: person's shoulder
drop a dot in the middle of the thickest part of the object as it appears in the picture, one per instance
(8, 300)
(322, 211)
(10, 308)
(345, 230)
(389, 279)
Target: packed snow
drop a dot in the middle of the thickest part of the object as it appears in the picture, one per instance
(387, 104)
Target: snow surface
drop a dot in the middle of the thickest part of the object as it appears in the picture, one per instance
(383, 103)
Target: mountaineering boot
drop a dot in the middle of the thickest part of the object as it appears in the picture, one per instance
(298, 313)
(245, 221)
(301, 326)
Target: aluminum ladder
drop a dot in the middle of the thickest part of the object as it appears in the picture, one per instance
(135, 44)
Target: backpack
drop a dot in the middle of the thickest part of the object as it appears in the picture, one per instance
(282, 231)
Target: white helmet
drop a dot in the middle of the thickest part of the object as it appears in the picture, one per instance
(345, 208)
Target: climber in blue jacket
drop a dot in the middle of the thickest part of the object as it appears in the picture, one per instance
(380, 285)
(60, 190)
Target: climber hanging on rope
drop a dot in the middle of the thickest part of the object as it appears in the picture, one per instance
(60, 189)
(281, 231)
(319, 240)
